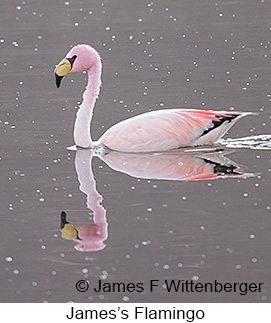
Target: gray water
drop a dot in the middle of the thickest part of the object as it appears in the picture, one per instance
(199, 54)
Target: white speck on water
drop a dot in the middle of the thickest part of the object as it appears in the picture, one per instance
(180, 265)
(9, 259)
(16, 272)
(252, 236)
(195, 277)
(238, 266)
(104, 275)
(18, 7)
(145, 243)
(42, 199)
(254, 260)
(166, 267)
(149, 209)
(125, 298)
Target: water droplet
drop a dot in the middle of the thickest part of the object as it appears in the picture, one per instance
(9, 259)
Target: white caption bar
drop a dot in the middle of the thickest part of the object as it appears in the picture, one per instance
(135, 312)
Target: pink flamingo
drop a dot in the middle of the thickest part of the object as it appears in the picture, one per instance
(148, 132)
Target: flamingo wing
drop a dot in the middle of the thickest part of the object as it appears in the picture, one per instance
(169, 129)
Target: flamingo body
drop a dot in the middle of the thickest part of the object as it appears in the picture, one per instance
(159, 130)
(169, 129)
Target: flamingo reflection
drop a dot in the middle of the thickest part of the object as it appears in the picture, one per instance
(89, 236)
(181, 165)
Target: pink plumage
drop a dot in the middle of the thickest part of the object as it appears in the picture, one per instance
(169, 129)
(159, 130)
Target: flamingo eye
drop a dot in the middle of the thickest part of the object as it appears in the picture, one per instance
(71, 60)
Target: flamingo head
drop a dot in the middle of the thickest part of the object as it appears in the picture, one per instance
(78, 59)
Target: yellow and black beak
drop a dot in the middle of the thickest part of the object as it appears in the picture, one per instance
(63, 68)
(69, 232)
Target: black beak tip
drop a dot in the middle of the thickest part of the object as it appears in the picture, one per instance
(63, 220)
(58, 80)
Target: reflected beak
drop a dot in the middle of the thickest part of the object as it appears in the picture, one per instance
(61, 70)
(69, 232)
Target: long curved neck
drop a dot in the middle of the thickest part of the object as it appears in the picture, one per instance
(82, 136)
